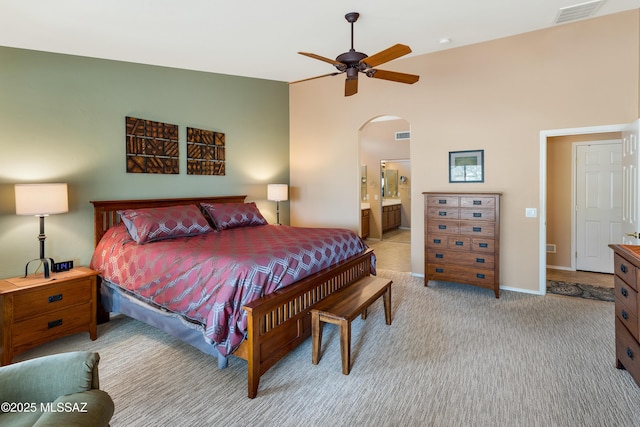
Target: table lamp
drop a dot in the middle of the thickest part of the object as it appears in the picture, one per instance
(277, 193)
(41, 200)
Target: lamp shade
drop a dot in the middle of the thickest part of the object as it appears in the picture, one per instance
(277, 192)
(41, 199)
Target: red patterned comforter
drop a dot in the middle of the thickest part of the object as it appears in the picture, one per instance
(208, 278)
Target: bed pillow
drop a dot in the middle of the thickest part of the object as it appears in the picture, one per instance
(233, 215)
(151, 224)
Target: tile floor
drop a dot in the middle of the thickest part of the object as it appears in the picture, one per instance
(393, 252)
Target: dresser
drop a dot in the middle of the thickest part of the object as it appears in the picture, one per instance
(627, 267)
(462, 238)
(34, 310)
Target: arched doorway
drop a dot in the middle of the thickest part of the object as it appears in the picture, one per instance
(385, 189)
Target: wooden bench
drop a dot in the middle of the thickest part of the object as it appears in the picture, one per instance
(342, 307)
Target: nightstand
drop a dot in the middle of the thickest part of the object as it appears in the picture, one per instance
(34, 310)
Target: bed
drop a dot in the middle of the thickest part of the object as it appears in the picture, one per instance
(273, 320)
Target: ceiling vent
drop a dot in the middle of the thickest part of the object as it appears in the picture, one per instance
(403, 135)
(578, 11)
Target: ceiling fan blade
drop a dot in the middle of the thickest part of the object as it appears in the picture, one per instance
(395, 51)
(350, 86)
(316, 77)
(322, 58)
(393, 76)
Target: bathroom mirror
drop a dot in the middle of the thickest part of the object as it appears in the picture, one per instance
(389, 182)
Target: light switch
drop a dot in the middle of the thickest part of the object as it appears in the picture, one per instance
(531, 212)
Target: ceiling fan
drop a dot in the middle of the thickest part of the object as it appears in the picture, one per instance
(353, 62)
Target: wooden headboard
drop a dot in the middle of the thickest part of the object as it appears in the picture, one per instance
(105, 212)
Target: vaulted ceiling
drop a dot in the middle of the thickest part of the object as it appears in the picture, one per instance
(258, 38)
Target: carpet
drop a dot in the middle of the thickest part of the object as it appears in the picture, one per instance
(454, 356)
(580, 290)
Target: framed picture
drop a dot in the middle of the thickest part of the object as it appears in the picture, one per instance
(466, 166)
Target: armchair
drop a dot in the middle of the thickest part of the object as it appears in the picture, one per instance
(56, 390)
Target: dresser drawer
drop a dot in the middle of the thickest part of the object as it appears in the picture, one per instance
(627, 271)
(483, 245)
(478, 214)
(461, 258)
(443, 213)
(627, 351)
(460, 274)
(438, 241)
(442, 227)
(627, 318)
(477, 228)
(626, 295)
(50, 326)
(459, 243)
(450, 201)
(478, 202)
(51, 297)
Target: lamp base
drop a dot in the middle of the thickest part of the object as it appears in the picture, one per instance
(46, 262)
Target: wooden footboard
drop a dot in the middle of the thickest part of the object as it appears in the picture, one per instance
(277, 323)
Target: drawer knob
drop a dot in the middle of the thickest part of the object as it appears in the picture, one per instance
(625, 316)
(442, 201)
(459, 243)
(480, 260)
(54, 323)
(630, 353)
(480, 276)
(55, 298)
(624, 292)
(623, 268)
(477, 215)
(437, 241)
(439, 270)
(439, 255)
(442, 213)
(442, 227)
(477, 229)
(484, 245)
(477, 202)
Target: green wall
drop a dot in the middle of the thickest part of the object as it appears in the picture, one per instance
(62, 120)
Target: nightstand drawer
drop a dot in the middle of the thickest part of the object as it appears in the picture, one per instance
(50, 326)
(51, 297)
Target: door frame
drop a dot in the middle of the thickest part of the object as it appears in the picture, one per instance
(542, 237)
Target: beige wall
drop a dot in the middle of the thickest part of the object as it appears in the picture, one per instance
(497, 96)
(559, 209)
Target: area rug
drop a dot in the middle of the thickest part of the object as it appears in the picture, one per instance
(580, 290)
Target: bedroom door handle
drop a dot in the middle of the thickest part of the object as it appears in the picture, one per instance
(634, 235)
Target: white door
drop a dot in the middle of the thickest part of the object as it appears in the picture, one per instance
(598, 204)
(630, 159)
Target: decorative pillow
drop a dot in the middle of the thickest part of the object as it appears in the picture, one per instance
(148, 225)
(233, 215)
